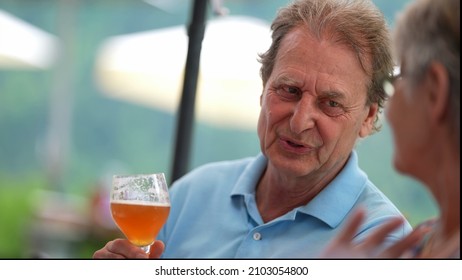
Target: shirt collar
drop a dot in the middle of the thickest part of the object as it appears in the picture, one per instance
(331, 205)
(336, 200)
(249, 178)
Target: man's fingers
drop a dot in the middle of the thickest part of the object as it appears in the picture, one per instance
(156, 249)
(105, 254)
(108, 252)
(123, 247)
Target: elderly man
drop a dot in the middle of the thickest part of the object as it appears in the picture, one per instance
(322, 92)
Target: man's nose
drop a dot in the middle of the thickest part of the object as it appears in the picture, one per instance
(304, 115)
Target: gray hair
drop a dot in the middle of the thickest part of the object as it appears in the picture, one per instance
(429, 31)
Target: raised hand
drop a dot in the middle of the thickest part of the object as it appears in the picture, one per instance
(343, 247)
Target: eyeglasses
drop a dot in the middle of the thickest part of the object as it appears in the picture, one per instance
(389, 83)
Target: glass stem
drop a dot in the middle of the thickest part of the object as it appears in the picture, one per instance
(146, 248)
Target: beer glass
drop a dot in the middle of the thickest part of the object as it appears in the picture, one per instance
(140, 206)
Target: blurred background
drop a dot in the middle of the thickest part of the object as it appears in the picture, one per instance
(90, 88)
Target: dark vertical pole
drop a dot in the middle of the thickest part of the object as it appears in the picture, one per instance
(185, 119)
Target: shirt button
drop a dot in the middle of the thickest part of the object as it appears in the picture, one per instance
(257, 236)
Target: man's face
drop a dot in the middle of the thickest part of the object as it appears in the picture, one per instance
(313, 107)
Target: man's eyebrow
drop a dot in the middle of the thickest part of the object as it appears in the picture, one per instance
(333, 95)
(284, 79)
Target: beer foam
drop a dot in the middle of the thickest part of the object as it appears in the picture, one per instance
(140, 202)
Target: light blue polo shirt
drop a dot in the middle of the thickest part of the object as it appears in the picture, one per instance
(214, 214)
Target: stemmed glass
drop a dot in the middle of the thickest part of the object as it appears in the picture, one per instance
(140, 206)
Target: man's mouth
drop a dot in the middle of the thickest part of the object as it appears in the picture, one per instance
(294, 144)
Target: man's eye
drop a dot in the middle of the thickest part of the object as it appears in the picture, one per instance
(292, 90)
(289, 92)
(331, 108)
(332, 103)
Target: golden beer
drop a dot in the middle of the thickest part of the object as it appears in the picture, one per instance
(139, 221)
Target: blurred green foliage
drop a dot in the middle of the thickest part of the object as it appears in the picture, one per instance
(16, 206)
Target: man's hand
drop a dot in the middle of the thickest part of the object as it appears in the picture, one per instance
(123, 249)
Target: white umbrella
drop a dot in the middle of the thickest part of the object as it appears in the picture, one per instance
(24, 46)
(148, 68)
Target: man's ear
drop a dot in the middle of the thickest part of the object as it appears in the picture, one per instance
(368, 123)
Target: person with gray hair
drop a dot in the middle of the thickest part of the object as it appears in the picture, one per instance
(322, 92)
(424, 114)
